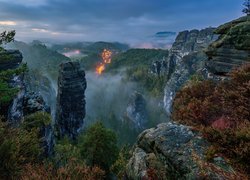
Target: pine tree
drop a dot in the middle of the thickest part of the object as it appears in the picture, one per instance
(246, 10)
(6, 37)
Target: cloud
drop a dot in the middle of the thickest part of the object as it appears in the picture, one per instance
(8, 23)
(113, 20)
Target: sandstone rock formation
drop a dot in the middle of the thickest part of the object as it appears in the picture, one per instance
(232, 48)
(174, 151)
(25, 102)
(185, 58)
(136, 111)
(70, 110)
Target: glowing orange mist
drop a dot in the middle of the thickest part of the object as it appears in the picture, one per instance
(106, 59)
(100, 68)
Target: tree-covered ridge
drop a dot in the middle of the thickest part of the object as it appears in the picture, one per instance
(137, 63)
(137, 57)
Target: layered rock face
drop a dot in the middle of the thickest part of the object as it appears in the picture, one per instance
(186, 57)
(174, 151)
(136, 111)
(10, 59)
(70, 110)
(26, 102)
(232, 48)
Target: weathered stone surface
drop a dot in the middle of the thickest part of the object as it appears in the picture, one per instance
(25, 102)
(136, 111)
(179, 150)
(15, 110)
(232, 49)
(47, 140)
(70, 110)
(34, 102)
(186, 57)
(10, 59)
(193, 41)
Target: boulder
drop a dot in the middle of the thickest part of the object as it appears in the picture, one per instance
(136, 111)
(174, 151)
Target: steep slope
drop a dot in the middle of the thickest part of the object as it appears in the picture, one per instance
(185, 58)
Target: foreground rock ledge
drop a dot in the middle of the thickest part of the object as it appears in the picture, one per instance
(174, 151)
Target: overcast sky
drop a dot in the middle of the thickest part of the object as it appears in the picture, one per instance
(111, 20)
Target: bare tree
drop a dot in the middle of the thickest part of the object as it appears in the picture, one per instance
(246, 10)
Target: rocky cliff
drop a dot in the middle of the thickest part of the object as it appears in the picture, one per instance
(25, 102)
(232, 48)
(70, 110)
(136, 111)
(186, 57)
(173, 151)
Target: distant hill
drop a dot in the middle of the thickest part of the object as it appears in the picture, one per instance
(39, 57)
(165, 34)
(138, 57)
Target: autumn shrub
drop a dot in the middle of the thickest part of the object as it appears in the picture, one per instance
(119, 166)
(17, 148)
(72, 170)
(233, 143)
(196, 105)
(222, 112)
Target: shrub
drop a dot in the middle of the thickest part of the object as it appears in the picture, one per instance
(119, 167)
(36, 120)
(72, 170)
(223, 110)
(65, 152)
(196, 105)
(17, 148)
(99, 146)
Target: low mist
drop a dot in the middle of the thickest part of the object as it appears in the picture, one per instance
(106, 94)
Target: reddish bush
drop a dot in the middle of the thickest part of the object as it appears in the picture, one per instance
(223, 110)
(71, 171)
(196, 105)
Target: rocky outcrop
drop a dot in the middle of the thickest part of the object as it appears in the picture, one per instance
(10, 59)
(136, 111)
(232, 49)
(25, 102)
(34, 102)
(15, 112)
(174, 151)
(161, 67)
(186, 57)
(70, 110)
